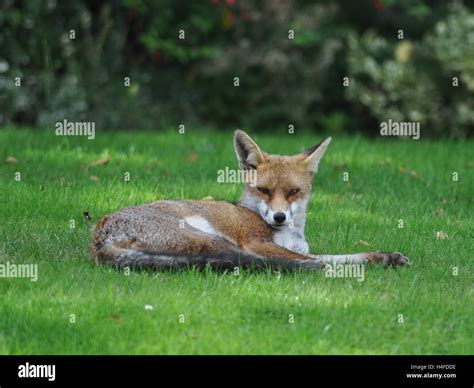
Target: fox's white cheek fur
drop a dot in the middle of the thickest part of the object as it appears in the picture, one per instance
(265, 212)
(294, 207)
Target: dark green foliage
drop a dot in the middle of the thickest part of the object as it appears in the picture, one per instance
(282, 81)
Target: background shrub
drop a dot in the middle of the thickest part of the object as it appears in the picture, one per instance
(282, 81)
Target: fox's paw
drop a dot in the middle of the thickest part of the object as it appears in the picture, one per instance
(389, 259)
(396, 259)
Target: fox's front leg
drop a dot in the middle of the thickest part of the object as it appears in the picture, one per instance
(389, 259)
(268, 249)
(272, 250)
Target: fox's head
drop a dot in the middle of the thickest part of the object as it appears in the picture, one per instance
(283, 182)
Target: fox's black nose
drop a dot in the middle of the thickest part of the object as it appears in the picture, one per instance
(279, 217)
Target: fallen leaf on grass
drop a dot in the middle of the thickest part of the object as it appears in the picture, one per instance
(115, 317)
(10, 160)
(192, 157)
(151, 165)
(94, 178)
(361, 242)
(438, 212)
(326, 328)
(386, 296)
(192, 336)
(63, 182)
(440, 235)
(342, 166)
(402, 169)
(100, 162)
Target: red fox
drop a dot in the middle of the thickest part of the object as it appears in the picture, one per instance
(264, 229)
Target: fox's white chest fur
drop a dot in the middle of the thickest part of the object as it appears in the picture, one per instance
(291, 239)
(291, 236)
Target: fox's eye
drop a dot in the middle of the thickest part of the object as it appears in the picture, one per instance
(263, 190)
(293, 192)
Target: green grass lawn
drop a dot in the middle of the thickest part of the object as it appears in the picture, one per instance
(226, 314)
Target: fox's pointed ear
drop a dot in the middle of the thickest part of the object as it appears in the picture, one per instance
(248, 153)
(314, 155)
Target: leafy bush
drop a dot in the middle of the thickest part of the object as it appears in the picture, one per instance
(283, 81)
(430, 81)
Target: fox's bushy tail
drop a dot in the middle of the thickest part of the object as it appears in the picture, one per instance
(145, 260)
